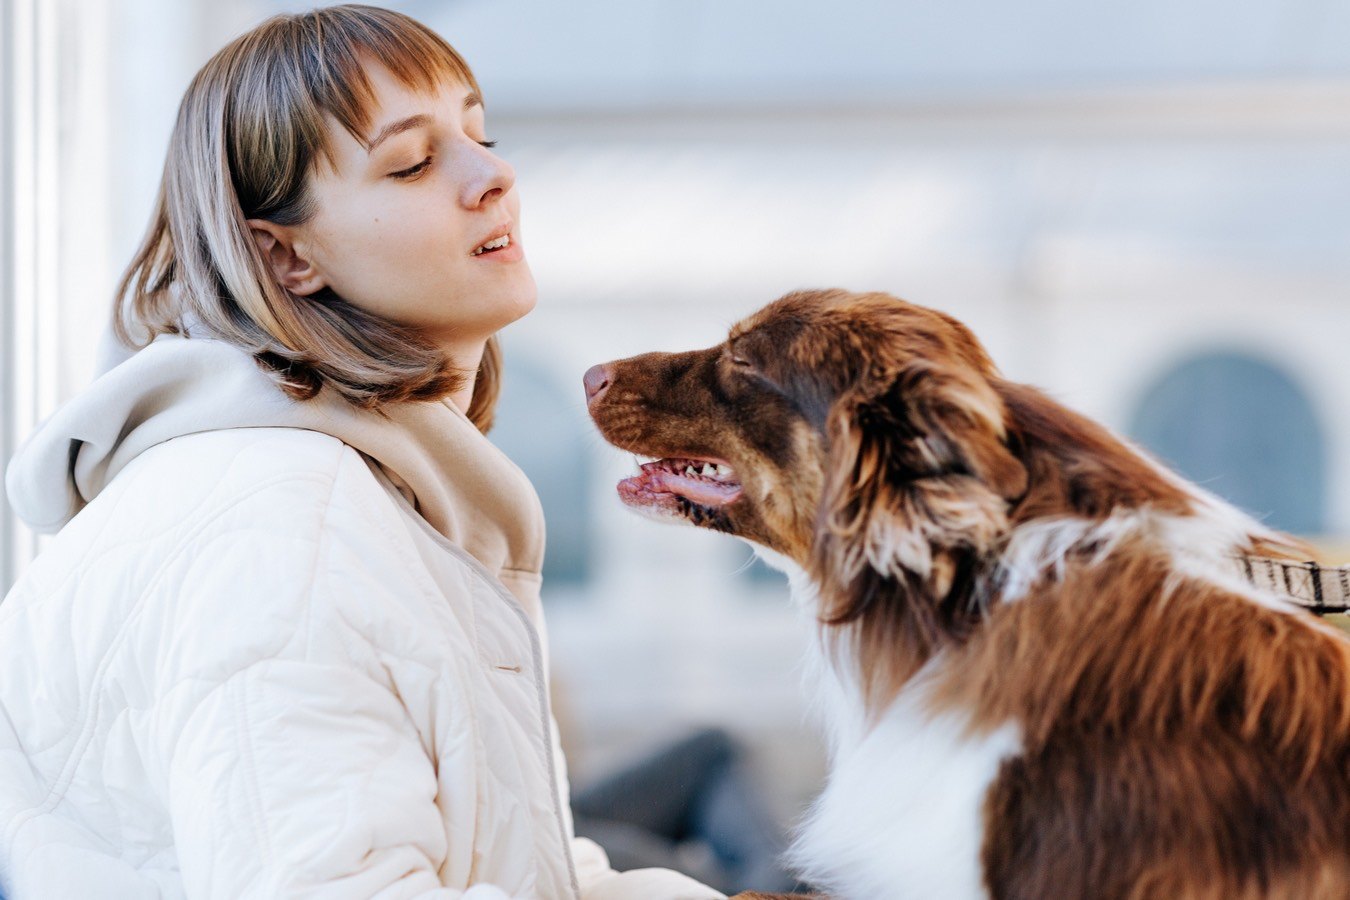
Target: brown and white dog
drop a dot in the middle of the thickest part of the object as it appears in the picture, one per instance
(1040, 672)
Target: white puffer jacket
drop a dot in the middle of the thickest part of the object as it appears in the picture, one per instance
(279, 649)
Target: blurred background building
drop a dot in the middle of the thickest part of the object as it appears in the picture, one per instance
(1143, 208)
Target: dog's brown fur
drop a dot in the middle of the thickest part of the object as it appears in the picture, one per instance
(1180, 738)
(1199, 738)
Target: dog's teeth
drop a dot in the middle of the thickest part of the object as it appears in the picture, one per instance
(708, 470)
(723, 471)
(689, 470)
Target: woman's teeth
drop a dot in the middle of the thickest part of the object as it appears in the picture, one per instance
(499, 243)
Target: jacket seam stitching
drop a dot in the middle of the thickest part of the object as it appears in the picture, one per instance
(478, 570)
(254, 791)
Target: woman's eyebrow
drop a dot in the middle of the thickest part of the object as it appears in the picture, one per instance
(401, 125)
(397, 127)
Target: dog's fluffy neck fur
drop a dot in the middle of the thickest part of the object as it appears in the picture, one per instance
(829, 672)
(923, 845)
(1086, 491)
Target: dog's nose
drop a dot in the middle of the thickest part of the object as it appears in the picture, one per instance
(596, 379)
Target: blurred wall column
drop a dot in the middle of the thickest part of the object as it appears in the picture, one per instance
(29, 169)
(68, 116)
(157, 46)
(88, 94)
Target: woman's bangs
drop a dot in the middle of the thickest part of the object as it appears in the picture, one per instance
(345, 39)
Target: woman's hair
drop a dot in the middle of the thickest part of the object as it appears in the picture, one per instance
(249, 131)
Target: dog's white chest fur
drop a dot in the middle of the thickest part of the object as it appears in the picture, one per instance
(901, 815)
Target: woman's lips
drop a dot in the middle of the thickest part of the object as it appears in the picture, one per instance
(512, 252)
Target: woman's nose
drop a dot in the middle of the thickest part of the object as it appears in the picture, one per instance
(493, 177)
(596, 380)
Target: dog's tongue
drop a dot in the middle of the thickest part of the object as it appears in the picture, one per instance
(700, 490)
(656, 482)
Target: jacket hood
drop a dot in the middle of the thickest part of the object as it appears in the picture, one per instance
(455, 478)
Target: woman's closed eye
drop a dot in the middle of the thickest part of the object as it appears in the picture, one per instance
(412, 171)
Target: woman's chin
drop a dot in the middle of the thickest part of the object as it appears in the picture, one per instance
(518, 303)
(476, 330)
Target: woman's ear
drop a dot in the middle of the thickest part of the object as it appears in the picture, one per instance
(277, 245)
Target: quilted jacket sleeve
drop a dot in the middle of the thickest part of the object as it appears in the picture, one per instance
(347, 811)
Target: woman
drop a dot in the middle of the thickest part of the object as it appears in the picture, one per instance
(287, 640)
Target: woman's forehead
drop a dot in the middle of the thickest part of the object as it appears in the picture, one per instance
(392, 94)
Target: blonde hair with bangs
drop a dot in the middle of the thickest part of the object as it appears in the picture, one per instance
(249, 131)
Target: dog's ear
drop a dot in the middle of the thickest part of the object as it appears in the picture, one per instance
(917, 493)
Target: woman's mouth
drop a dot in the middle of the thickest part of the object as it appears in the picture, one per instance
(494, 245)
(504, 248)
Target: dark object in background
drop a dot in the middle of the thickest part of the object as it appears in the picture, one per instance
(695, 791)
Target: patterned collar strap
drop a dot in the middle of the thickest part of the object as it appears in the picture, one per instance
(1321, 589)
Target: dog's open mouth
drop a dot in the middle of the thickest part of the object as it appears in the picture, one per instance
(662, 483)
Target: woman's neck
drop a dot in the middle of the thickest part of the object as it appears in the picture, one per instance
(465, 357)
(464, 395)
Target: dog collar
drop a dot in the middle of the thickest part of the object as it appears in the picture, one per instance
(1321, 589)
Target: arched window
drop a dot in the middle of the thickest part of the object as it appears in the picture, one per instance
(1244, 430)
(543, 429)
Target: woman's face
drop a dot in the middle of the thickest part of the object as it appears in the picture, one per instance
(400, 226)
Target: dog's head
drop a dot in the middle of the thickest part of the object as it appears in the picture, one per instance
(859, 435)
